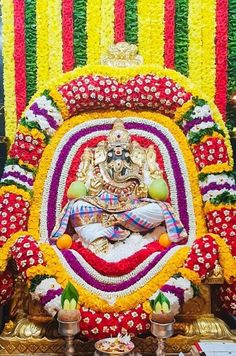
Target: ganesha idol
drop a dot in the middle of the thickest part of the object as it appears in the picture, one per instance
(119, 192)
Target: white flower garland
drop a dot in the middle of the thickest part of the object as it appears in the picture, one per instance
(110, 297)
(44, 103)
(220, 178)
(105, 279)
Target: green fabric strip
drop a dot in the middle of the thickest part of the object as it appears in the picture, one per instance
(30, 48)
(231, 85)
(181, 36)
(80, 34)
(131, 21)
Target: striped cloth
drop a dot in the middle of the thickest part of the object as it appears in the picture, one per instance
(83, 215)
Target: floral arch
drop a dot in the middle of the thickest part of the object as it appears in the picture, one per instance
(83, 101)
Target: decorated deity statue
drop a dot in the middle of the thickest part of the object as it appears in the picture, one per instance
(119, 191)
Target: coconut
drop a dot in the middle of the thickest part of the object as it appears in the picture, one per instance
(69, 315)
(162, 318)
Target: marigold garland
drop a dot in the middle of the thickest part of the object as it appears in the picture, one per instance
(182, 110)
(93, 31)
(190, 275)
(57, 97)
(226, 259)
(14, 190)
(208, 47)
(144, 28)
(55, 38)
(9, 69)
(36, 270)
(217, 168)
(42, 43)
(195, 42)
(5, 250)
(124, 303)
(156, 12)
(107, 25)
(211, 207)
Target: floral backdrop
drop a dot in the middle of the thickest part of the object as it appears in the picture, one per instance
(43, 39)
(62, 110)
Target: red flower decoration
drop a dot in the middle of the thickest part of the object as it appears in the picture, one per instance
(212, 151)
(14, 213)
(227, 298)
(125, 266)
(222, 222)
(203, 256)
(26, 254)
(95, 325)
(143, 91)
(28, 149)
(6, 286)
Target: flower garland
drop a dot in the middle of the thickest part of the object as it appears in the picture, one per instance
(37, 108)
(79, 33)
(131, 21)
(107, 25)
(68, 23)
(195, 56)
(113, 268)
(5, 250)
(156, 15)
(19, 56)
(144, 30)
(231, 85)
(208, 11)
(226, 259)
(181, 36)
(26, 253)
(6, 286)
(125, 74)
(95, 324)
(55, 38)
(93, 31)
(14, 214)
(123, 303)
(119, 21)
(9, 73)
(203, 256)
(42, 47)
(169, 34)
(30, 44)
(188, 39)
(226, 298)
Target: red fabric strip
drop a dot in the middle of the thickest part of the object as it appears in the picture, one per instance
(221, 55)
(67, 35)
(119, 22)
(19, 56)
(169, 33)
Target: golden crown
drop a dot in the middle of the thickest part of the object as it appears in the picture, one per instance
(118, 136)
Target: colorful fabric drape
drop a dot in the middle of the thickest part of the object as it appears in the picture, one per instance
(43, 39)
